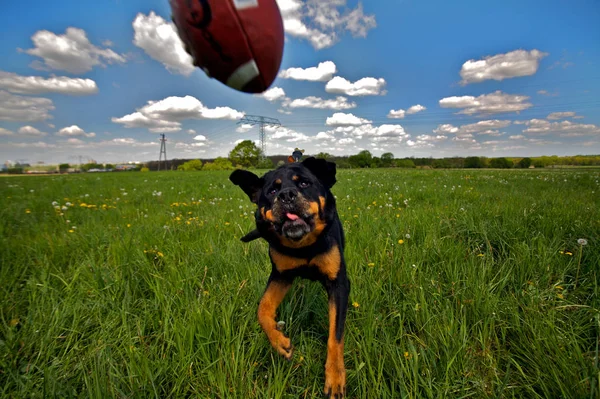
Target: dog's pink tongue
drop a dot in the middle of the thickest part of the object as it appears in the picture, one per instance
(291, 216)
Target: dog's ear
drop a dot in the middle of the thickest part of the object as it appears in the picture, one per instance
(322, 169)
(248, 182)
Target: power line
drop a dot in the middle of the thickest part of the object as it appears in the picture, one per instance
(261, 121)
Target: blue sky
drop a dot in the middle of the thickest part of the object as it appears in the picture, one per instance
(102, 80)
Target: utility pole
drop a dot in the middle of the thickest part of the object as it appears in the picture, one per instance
(163, 151)
(261, 121)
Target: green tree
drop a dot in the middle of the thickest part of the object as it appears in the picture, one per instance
(387, 160)
(265, 163)
(246, 154)
(323, 155)
(194, 164)
(501, 163)
(404, 163)
(473, 162)
(361, 160)
(525, 163)
(63, 167)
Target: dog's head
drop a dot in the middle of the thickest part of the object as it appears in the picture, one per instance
(294, 201)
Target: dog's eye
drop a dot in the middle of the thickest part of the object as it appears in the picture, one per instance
(304, 184)
(273, 191)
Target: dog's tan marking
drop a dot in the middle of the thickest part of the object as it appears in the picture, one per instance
(283, 262)
(335, 372)
(277, 181)
(268, 215)
(295, 178)
(329, 262)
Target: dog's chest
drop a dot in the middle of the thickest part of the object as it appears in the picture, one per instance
(327, 263)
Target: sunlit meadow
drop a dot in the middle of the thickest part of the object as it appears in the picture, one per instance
(465, 283)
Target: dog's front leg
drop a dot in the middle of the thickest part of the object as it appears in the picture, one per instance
(274, 294)
(335, 371)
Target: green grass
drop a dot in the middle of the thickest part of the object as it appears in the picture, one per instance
(155, 296)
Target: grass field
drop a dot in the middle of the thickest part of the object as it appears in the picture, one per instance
(465, 283)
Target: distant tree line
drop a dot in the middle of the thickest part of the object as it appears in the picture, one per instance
(247, 155)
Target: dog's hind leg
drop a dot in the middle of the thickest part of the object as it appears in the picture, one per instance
(335, 371)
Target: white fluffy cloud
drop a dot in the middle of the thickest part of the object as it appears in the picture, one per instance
(342, 119)
(179, 108)
(501, 66)
(6, 132)
(338, 103)
(561, 115)
(159, 39)
(400, 113)
(31, 131)
(382, 135)
(139, 120)
(166, 115)
(24, 109)
(446, 128)
(415, 108)
(244, 127)
(273, 94)
(564, 128)
(74, 131)
(322, 22)
(321, 73)
(485, 104)
(488, 128)
(71, 51)
(286, 135)
(362, 87)
(425, 141)
(396, 114)
(55, 84)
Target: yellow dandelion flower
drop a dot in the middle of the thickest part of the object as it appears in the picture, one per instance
(83, 205)
(226, 223)
(569, 253)
(355, 304)
(561, 296)
(158, 253)
(480, 255)
(128, 225)
(27, 211)
(71, 231)
(400, 242)
(371, 264)
(397, 215)
(407, 355)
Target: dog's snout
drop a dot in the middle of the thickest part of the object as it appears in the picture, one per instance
(288, 196)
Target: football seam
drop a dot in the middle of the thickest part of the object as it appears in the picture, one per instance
(241, 25)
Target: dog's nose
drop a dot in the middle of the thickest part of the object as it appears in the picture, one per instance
(288, 196)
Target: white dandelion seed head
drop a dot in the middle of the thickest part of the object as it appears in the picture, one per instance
(582, 241)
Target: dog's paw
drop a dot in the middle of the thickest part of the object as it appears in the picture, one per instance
(283, 346)
(335, 383)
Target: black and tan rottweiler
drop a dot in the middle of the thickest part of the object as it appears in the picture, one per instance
(297, 216)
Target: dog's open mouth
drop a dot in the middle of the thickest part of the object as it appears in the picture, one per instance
(294, 227)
